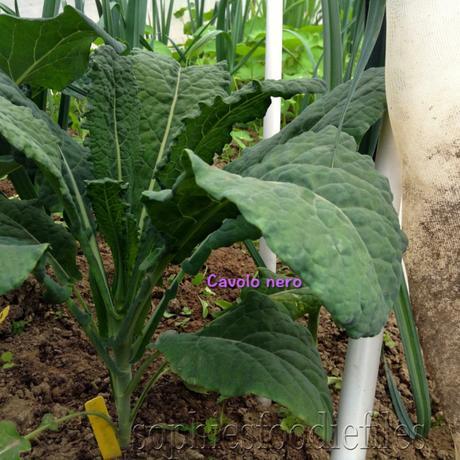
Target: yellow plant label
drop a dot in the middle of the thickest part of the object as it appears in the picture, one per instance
(104, 433)
(4, 313)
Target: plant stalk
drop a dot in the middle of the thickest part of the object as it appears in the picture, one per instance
(121, 380)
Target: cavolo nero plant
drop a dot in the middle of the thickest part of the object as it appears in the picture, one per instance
(143, 183)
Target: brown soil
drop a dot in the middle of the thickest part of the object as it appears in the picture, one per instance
(55, 370)
(6, 187)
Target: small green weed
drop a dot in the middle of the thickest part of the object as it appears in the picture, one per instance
(291, 424)
(388, 341)
(18, 327)
(335, 382)
(6, 360)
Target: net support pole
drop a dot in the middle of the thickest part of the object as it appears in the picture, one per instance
(363, 355)
(273, 71)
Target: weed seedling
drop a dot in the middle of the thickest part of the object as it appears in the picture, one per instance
(291, 424)
(6, 358)
(335, 382)
(17, 327)
(388, 341)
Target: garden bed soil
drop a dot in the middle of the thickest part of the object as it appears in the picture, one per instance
(55, 370)
(7, 188)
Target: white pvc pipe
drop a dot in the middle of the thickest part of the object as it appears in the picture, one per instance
(363, 355)
(357, 398)
(388, 162)
(273, 71)
(272, 119)
(273, 62)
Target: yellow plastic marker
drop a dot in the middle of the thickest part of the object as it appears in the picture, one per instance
(4, 313)
(104, 433)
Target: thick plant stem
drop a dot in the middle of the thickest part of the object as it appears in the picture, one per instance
(123, 405)
(121, 386)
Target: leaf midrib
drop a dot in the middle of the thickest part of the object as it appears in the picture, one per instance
(163, 144)
(31, 68)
